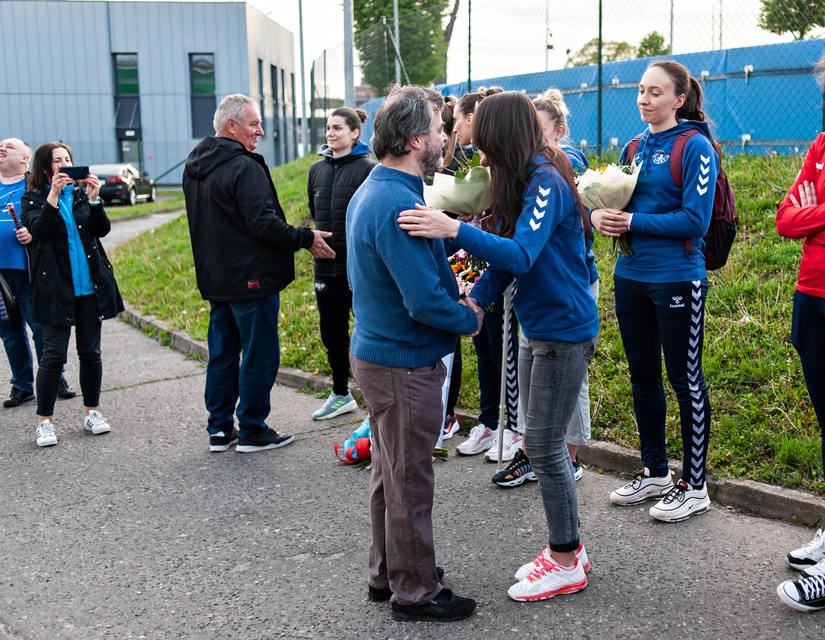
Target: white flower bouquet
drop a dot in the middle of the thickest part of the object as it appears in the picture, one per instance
(608, 187)
(465, 193)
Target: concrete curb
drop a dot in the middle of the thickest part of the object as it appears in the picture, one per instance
(760, 499)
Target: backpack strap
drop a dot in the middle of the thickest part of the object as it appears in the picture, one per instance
(676, 154)
(632, 148)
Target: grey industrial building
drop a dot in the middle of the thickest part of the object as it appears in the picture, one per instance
(139, 81)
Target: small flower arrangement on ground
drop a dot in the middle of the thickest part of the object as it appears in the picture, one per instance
(609, 187)
(466, 193)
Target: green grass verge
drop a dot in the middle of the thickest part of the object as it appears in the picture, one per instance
(763, 425)
(167, 201)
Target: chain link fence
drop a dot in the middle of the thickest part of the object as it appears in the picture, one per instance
(754, 58)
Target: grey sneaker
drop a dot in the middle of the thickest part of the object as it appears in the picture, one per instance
(642, 488)
(810, 554)
(335, 406)
(681, 502)
(44, 434)
(96, 423)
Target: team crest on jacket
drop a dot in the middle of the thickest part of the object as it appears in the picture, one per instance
(660, 157)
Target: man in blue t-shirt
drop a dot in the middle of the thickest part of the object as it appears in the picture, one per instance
(14, 267)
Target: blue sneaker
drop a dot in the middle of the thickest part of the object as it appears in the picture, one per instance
(335, 406)
(577, 469)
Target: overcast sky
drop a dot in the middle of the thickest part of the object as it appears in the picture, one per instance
(510, 37)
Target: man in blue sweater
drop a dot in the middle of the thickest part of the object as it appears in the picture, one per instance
(407, 317)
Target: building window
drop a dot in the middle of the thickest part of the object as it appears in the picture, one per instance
(202, 90)
(126, 74)
(127, 107)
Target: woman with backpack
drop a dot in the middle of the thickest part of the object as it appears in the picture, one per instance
(661, 286)
(801, 216)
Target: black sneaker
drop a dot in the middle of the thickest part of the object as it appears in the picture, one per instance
(382, 595)
(517, 472)
(807, 594)
(266, 439)
(221, 442)
(444, 607)
(64, 391)
(17, 397)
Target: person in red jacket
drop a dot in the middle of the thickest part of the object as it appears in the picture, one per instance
(801, 216)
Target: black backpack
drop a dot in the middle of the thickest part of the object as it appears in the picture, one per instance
(722, 230)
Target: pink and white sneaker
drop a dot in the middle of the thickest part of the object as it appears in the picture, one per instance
(481, 438)
(512, 441)
(525, 569)
(548, 580)
(450, 428)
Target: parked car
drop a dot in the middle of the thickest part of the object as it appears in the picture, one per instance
(123, 182)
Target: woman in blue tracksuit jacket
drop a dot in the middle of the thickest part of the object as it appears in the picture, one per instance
(541, 228)
(662, 285)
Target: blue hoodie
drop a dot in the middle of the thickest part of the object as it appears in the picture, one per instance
(547, 256)
(664, 215)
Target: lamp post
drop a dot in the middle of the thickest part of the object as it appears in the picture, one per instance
(304, 122)
(599, 90)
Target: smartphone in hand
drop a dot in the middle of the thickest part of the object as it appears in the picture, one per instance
(75, 173)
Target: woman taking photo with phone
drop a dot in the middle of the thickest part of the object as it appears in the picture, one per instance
(73, 283)
(540, 233)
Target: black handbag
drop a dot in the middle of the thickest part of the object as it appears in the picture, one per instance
(7, 300)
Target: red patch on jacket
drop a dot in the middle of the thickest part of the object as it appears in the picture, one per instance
(253, 284)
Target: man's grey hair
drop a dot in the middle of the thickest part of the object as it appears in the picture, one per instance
(407, 112)
(231, 108)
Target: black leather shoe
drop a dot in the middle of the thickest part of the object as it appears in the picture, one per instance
(444, 607)
(64, 391)
(382, 595)
(17, 398)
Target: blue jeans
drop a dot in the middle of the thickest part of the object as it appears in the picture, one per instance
(550, 378)
(14, 335)
(808, 337)
(657, 317)
(235, 328)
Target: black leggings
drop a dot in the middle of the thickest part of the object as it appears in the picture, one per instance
(666, 317)
(334, 304)
(808, 337)
(55, 350)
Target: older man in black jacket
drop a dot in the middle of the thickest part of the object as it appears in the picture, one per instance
(243, 250)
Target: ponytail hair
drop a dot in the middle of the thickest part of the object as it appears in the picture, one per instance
(685, 84)
(552, 103)
(469, 101)
(353, 117)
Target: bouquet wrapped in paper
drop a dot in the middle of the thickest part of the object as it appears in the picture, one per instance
(465, 193)
(609, 187)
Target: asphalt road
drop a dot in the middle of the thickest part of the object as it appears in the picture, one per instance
(142, 533)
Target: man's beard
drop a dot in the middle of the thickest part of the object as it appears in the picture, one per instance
(431, 159)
